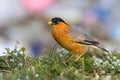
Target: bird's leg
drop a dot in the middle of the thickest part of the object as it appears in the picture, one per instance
(79, 57)
(70, 57)
(83, 63)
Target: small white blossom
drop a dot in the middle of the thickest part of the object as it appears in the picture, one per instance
(36, 75)
(18, 79)
(119, 64)
(102, 72)
(114, 57)
(106, 62)
(97, 61)
(61, 55)
(108, 57)
(108, 77)
(116, 63)
(112, 67)
(97, 77)
(20, 64)
(15, 54)
(76, 71)
(62, 50)
(27, 77)
(12, 60)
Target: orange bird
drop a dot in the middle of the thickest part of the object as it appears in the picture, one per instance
(73, 41)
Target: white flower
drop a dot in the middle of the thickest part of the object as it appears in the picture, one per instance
(108, 77)
(106, 62)
(112, 67)
(27, 77)
(20, 64)
(102, 72)
(116, 63)
(76, 71)
(15, 54)
(97, 61)
(36, 75)
(97, 77)
(62, 50)
(12, 60)
(114, 57)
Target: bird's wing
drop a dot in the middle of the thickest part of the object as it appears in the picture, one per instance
(82, 38)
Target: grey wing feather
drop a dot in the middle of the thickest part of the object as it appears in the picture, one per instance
(82, 38)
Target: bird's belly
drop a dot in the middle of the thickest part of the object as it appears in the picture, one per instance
(71, 46)
(75, 47)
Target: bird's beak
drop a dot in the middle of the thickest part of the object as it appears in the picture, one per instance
(50, 22)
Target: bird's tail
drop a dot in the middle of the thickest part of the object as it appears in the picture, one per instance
(94, 44)
(101, 47)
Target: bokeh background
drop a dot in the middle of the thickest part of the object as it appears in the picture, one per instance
(26, 21)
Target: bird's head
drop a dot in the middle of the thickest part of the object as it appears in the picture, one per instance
(55, 21)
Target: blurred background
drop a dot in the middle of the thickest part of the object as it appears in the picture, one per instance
(26, 21)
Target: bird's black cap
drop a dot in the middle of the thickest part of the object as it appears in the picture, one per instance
(56, 20)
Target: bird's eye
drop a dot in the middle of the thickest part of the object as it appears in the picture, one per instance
(57, 21)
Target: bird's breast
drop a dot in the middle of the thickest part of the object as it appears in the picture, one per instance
(61, 37)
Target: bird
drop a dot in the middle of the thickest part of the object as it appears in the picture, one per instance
(74, 41)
